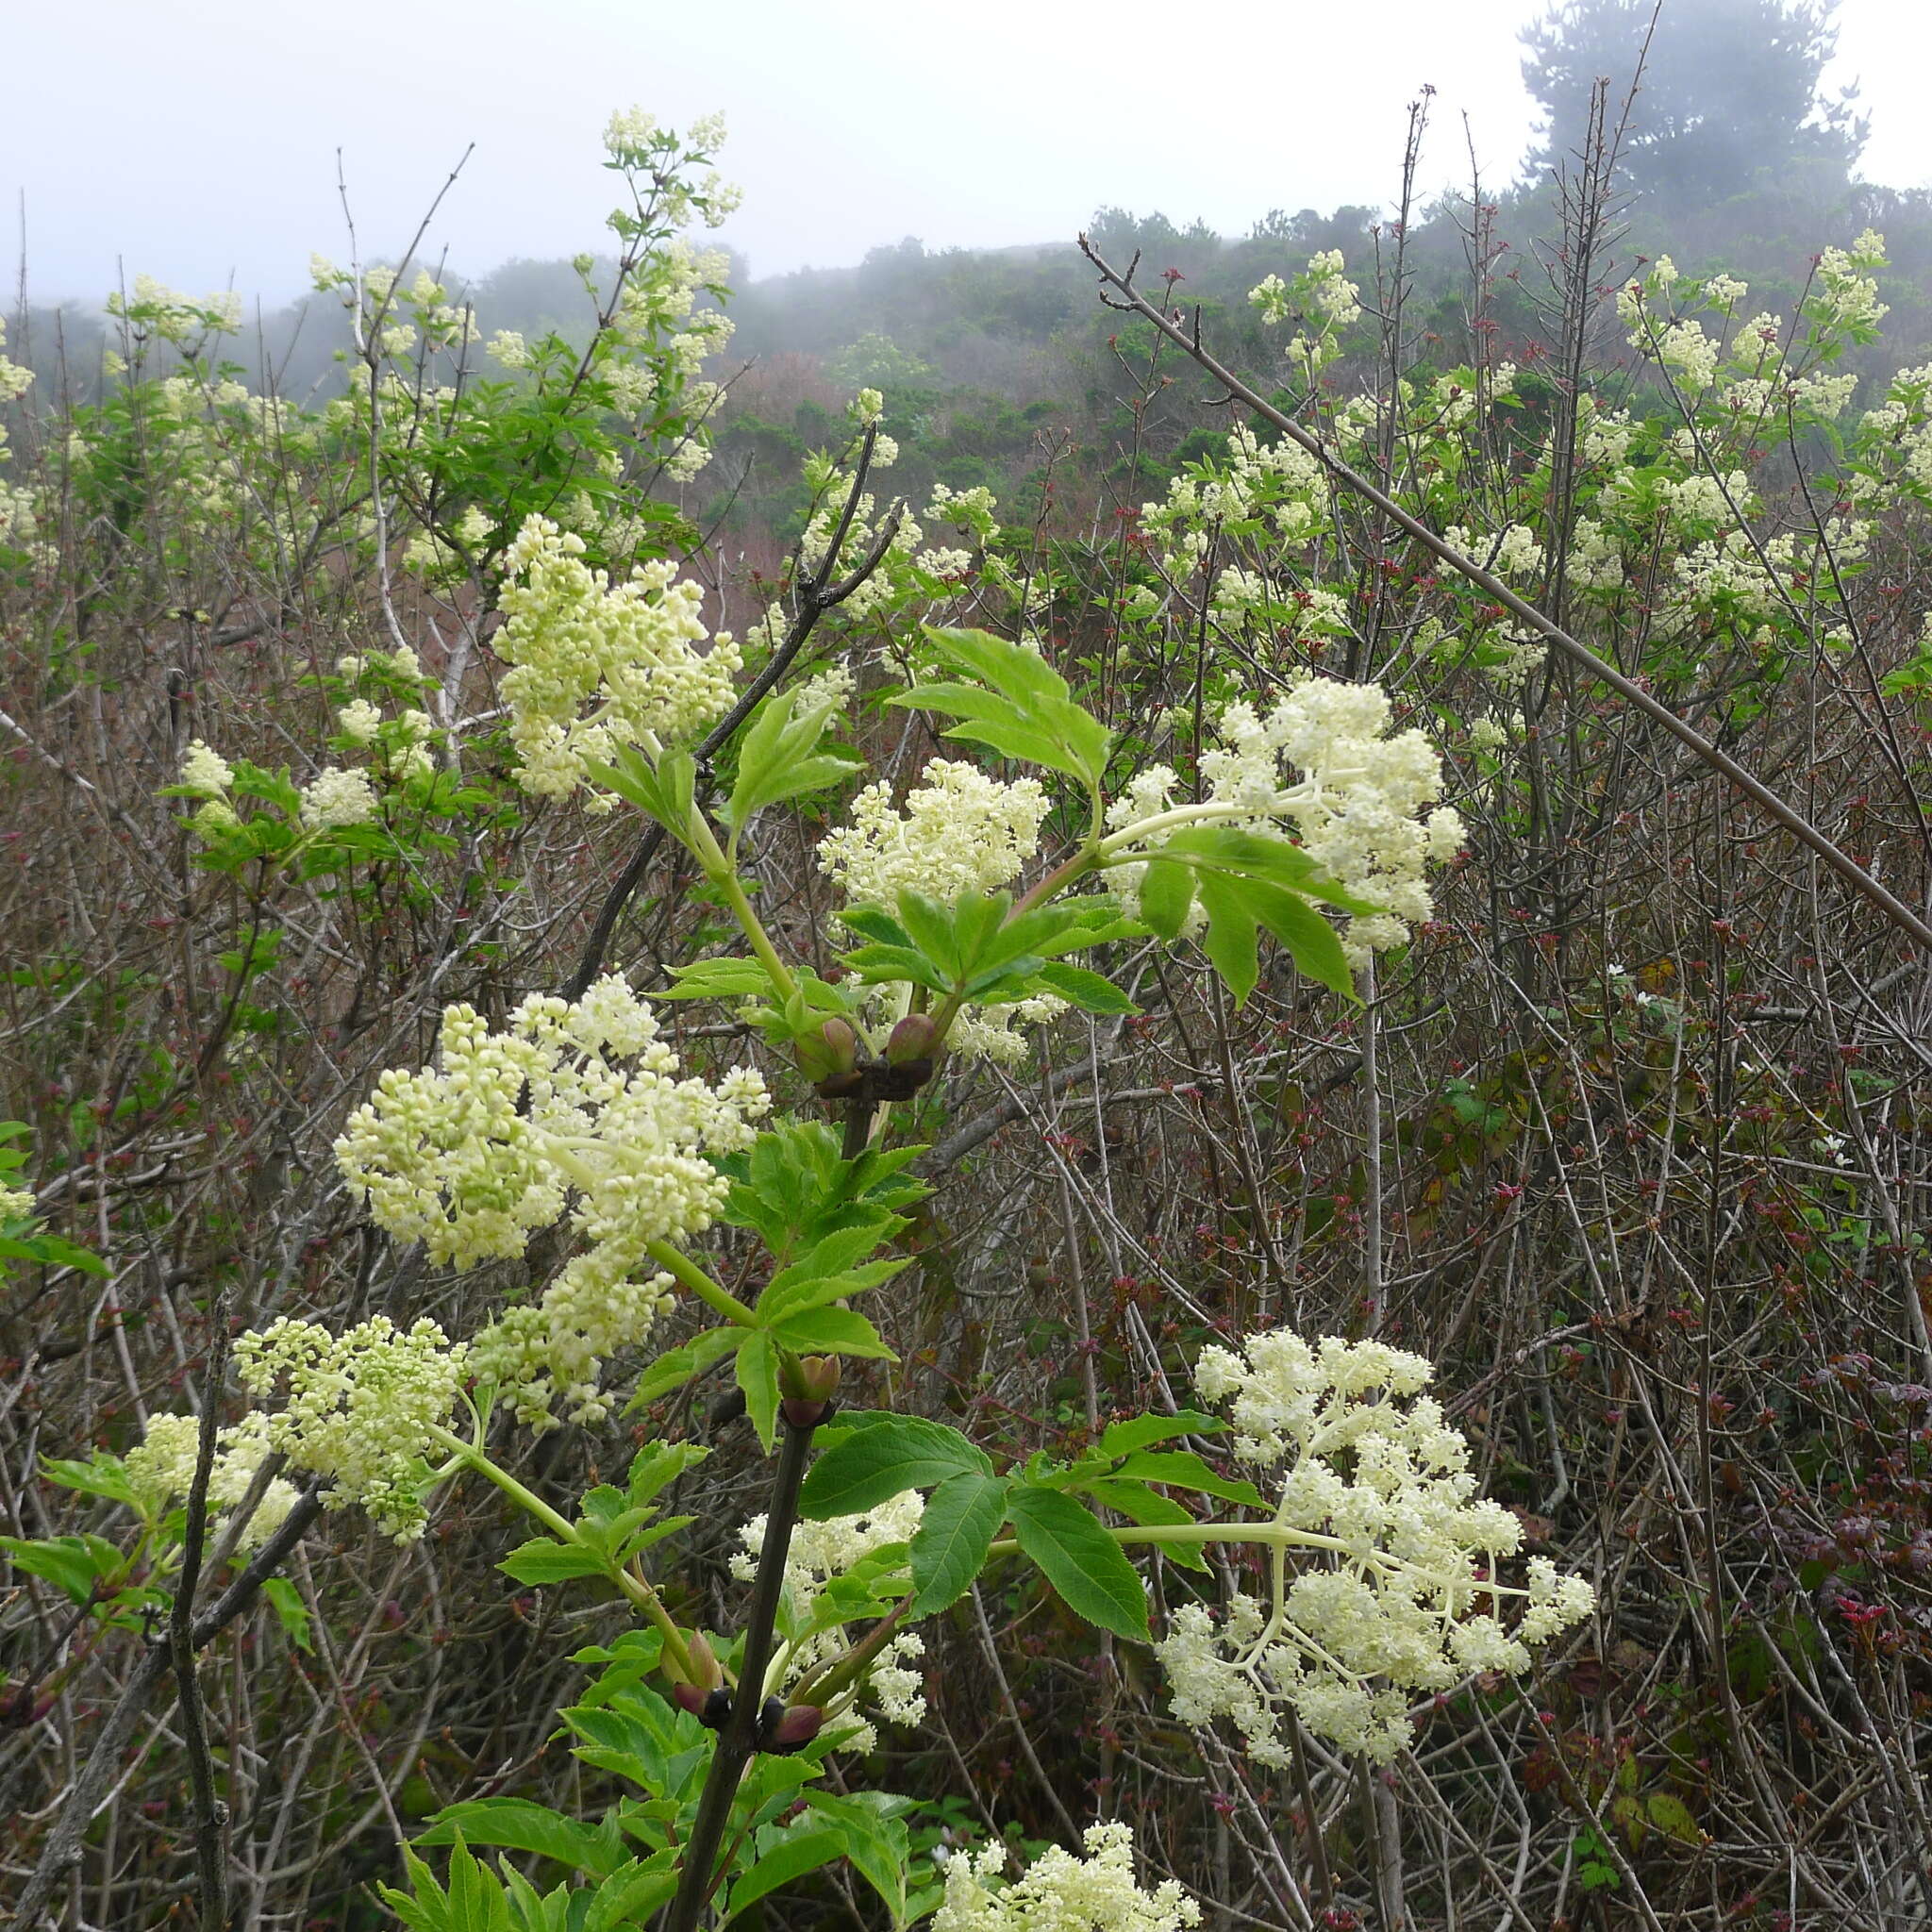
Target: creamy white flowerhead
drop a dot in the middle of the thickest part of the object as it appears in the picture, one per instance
(1360, 809)
(160, 1469)
(573, 1107)
(206, 772)
(337, 798)
(1062, 1894)
(960, 831)
(360, 1407)
(601, 667)
(1389, 1587)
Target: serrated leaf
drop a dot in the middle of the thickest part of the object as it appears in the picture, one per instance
(948, 1550)
(1229, 941)
(791, 1857)
(1313, 943)
(877, 965)
(1087, 1570)
(544, 1559)
(677, 1366)
(878, 1845)
(517, 1824)
(1167, 896)
(758, 1375)
(1139, 1431)
(1092, 992)
(877, 1455)
(831, 1331)
(1142, 1504)
(1185, 1470)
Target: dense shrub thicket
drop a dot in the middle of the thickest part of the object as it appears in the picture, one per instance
(1484, 1024)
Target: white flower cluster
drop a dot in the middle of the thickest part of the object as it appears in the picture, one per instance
(160, 1468)
(1395, 1593)
(474, 1157)
(960, 831)
(360, 1407)
(817, 1553)
(1279, 482)
(1062, 1894)
(1513, 552)
(158, 309)
(601, 666)
(205, 772)
(337, 798)
(1850, 293)
(1358, 811)
(1323, 295)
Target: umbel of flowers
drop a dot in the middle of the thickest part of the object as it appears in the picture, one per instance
(1383, 1561)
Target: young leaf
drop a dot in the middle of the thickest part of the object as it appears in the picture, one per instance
(831, 1331)
(543, 1559)
(1086, 1567)
(758, 1375)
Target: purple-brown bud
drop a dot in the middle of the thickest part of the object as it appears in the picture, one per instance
(809, 1386)
(785, 1728)
(915, 1037)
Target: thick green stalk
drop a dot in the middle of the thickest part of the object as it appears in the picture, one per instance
(687, 1273)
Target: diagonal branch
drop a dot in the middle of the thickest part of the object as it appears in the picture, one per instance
(812, 599)
(1768, 801)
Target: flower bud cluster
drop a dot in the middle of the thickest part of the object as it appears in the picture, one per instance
(1062, 1894)
(160, 1469)
(473, 1156)
(601, 667)
(361, 1408)
(958, 831)
(817, 1553)
(1395, 1592)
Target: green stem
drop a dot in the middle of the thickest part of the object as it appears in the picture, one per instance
(1062, 877)
(642, 1595)
(842, 1672)
(1182, 815)
(680, 1266)
(724, 874)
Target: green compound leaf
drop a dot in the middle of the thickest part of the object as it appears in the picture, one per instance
(1086, 1567)
(875, 1456)
(948, 1550)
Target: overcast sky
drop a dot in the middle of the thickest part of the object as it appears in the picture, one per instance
(198, 141)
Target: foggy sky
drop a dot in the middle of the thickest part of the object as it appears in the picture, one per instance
(198, 143)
